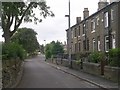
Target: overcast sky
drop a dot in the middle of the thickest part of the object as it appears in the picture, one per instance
(53, 28)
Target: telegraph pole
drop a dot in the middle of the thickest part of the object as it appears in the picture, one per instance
(69, 37)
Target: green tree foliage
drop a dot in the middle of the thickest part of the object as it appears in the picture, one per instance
(27, 38)
(13, 50)
(96, 57)
(42, 50)
(114, 56)
(48, 51)
(13, 13)
(56, 48)
(53, 49)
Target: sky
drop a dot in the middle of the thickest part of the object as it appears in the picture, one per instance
(53, 28)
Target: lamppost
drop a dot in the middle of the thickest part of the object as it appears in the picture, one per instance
(45, 42)
(44, 48)
(44, 45)
(69, 37)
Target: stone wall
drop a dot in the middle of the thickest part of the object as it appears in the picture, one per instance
(110, 73)
(65, 62)
(92, 68)
(75, 65)
(11, 75)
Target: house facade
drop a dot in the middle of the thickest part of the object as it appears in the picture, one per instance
(97, 32)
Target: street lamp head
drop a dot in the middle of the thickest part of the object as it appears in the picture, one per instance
(67, 15)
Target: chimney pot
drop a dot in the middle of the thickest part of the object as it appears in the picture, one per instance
(85, 13)
(85, 9)
(102, 4)
(78, 19)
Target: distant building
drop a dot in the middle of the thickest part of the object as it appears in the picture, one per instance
(65, 47)
(97, 32)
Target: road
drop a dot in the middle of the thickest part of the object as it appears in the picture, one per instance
(39, 74)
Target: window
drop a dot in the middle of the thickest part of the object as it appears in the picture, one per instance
(112, 12)
(113, 41)
(106, 43)
(79, 46)
(83, 28)
(93, 25)
(93, 44)
(79, 31)
(106, 19)
(87, 25)
(98, 20)
(75, 32)
(87, 44)
(84, 45)
(76, 47)
(72, 33)
(98, 44)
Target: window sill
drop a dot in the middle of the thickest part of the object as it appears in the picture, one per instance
(83, 35)
(106, 51)
(93, 31)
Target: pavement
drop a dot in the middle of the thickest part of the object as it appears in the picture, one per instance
(96, 80)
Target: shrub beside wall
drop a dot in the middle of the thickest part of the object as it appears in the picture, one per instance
(13, 51)
(96, 57)
(13, 55)
(114, 57)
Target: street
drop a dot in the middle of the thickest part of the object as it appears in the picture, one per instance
(40, 74)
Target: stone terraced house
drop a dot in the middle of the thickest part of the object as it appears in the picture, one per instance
(97, 32)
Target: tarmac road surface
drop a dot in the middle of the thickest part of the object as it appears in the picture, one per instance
(39, 74)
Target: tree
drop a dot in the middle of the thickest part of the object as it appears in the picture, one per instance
(53, 49)
(13, 13)
(56, 48)
(13, 50)
(42, 50)
(27, 38)
(48, 51)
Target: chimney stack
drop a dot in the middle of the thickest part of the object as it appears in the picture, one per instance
(85, 13)
(78, 19)
(111, 1)
(102, 4)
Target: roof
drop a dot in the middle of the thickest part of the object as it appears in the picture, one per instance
(113, 3)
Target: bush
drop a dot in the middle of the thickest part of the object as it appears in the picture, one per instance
(95, 57)
(48, 54)
(114, 56)
(78, 62)
(12, 51)
(82, 55)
